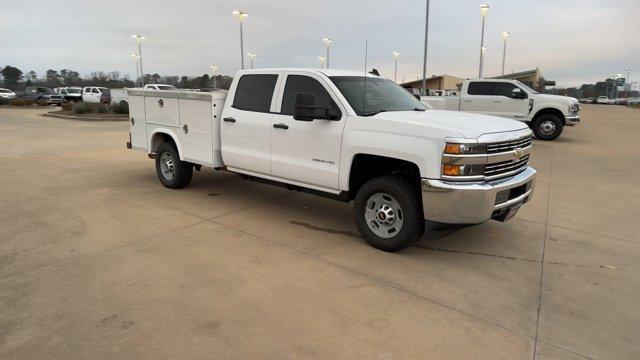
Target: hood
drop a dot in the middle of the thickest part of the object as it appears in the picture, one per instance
(560, 98)
(467, 125)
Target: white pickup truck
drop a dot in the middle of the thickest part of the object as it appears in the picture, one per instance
(546, 114)
(343, 135)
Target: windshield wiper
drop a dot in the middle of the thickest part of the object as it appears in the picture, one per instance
(372, 113)
(419, 109)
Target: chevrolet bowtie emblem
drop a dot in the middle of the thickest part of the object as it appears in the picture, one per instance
(518, 153)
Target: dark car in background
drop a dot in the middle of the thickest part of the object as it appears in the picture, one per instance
(36, 93)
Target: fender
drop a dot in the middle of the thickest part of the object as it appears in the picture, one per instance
(168, 132)
(370, 143)
(548, 107)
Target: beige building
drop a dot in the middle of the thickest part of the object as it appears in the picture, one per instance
(532, 78)
(436, 82)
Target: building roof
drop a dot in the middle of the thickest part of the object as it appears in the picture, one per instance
(533, 72)
(434, 77)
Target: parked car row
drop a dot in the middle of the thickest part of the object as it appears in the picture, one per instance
(605, 100)
(90, 94)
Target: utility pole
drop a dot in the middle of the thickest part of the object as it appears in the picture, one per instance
(484, 10)
(424, 57)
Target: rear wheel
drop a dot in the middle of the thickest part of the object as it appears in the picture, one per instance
(172, 172)
(547, 127)
(388, 213)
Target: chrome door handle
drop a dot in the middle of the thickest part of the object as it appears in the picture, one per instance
(281, 126)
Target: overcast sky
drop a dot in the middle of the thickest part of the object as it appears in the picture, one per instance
(571, 41)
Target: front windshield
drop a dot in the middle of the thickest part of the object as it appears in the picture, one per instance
(4, 91)
(526, 87)
(381, 95)
(166, 87)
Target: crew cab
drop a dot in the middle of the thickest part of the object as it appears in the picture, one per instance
(547, 115)
(344, 135)
(94, 94)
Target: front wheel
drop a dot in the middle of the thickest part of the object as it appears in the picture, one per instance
(172, 172)
(388, 213)
(547, 127)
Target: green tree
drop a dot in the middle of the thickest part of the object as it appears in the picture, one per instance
(52, 78)
(12, 76)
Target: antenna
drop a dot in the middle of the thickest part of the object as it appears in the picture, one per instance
(364, 87)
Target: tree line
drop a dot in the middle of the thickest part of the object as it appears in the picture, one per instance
(14, 79)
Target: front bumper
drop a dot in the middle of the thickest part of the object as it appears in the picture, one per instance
(572, 120)
(474, 203)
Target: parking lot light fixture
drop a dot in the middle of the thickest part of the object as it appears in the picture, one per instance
(213, 74)
(251, 57)
(322, 60)
(241, 15)
(395, 66)
(327, 43)
(139, 39)
(505, 36)
(484, 11)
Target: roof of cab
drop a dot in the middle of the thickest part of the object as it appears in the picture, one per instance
(327, 72)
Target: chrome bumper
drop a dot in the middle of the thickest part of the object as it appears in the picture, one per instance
(474, 203)
(572, 120)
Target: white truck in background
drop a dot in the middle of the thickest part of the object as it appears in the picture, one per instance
(547, 115)
(343, 135)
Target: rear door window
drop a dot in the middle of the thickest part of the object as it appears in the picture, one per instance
(481, 88)
(254, 92)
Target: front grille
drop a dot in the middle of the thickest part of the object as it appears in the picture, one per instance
(494, 170)
(505, 146)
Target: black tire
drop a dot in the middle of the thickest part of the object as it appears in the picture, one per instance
(182, 171)
(547, 127)
(410, 203)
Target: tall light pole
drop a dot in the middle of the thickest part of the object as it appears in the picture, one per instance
(241, 15)
(395, 66)
(484, 10)
(327, 43)
(322, 59)
(627, 84)
(251, 57)
(136, 56)
(424, 58)
(213, 74)
(139, 39)
(505, 36)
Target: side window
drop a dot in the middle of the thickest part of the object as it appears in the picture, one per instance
(254, 92)
(504, 89)
(481, 88)
(95, 91)
(305, 84)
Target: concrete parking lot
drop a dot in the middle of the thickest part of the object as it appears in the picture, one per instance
(99, 261)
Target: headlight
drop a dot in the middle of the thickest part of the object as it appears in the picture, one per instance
(464, 149)
(574, 109)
